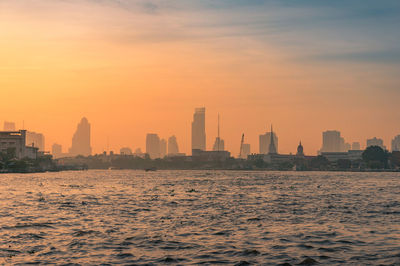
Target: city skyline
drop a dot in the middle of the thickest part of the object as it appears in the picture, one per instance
(136, 67)
(331, 141)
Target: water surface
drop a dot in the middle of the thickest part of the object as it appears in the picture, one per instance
(200, 217)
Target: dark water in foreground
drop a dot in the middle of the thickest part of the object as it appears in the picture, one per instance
(200, 217)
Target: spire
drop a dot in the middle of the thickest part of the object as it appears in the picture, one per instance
(272, 147)
(300, 151)
(218, 135)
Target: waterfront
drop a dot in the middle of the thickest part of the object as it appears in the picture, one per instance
(200, 217)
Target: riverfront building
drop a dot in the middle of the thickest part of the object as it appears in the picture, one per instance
(15, 142)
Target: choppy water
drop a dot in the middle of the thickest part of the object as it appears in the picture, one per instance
(200, 217)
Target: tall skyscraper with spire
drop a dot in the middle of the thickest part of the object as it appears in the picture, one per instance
(199, 129)
(219, 144)
(272, 147)
(265, 140)
(81, 140)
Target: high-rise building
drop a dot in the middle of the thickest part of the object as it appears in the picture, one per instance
(35, 139)
(356, 146)
(173, 147)
(219, 144)
(375, 142)
(56, 150)
(153, 146)
(245, 150)
(9, 126)
(396, 143)
(265, 140)
(81, 140)
(199, 129)
(163, 148)
(332, 142)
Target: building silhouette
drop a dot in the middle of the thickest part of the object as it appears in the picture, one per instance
(153, 146)
(245, 150)
(35, 139)
(14, 142)
(265, 140)
(300, 150)
(163, 148)
(375, 142)
(199, 129)
(56, 150)
(396, 143)
(81, 140)
(219, 144)
(333, 142)
(125, 151)
(173, 147)
(356, 146)
(9, 126)
(272, 148)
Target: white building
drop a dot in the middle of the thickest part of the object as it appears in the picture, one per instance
(15, 141)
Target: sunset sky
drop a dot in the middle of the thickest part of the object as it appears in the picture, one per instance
(136, 67)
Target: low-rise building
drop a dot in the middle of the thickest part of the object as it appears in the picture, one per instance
(15, 141)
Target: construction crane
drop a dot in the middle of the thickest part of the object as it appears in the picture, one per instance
(241, 146)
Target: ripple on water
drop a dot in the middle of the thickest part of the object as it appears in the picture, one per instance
(200, 217)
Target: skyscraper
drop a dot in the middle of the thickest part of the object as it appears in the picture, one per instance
(35, 139)
(163, 148)
(219, 144)
(245, 150)
(173, 147)
(265, 140)
(81, 140)
(9, 126)
(199, 129)
(56, 150)
(332, 142)
(396, 143)
(153, 146)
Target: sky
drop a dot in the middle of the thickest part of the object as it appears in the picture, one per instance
(136, 67)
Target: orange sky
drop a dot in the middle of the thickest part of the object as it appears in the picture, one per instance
(134, 70)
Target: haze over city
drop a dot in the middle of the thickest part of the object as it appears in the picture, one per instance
(135, 67)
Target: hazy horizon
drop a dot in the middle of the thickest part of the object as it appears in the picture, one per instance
(138, 67)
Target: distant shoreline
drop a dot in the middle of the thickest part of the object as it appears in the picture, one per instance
(220, 169)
